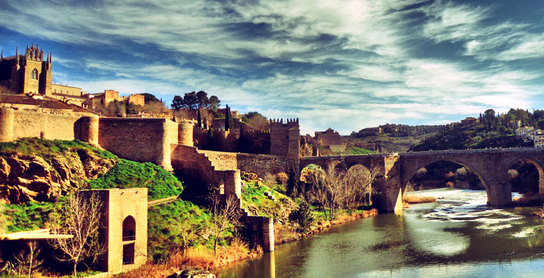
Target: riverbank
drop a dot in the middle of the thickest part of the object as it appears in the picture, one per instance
(195, 258)
(286, 233)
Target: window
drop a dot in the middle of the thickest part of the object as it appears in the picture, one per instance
(35, 74)
(129, 228)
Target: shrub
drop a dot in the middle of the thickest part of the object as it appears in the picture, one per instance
(282, 178)
(303, 216)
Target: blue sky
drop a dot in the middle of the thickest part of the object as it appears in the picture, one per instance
(341, 64)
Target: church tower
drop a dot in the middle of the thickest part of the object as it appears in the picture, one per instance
(28, 73)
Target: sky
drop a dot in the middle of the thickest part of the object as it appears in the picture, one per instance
(347, 64)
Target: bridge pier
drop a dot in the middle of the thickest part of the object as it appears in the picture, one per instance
(499, 194)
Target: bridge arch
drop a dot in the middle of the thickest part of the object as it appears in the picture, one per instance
(513, 164)
(413, 166)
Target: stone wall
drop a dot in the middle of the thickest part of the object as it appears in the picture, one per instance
(143, 140)
(17, 124)
(260, 164)
(260, 231)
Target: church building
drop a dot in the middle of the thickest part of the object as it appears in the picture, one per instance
(30, 73)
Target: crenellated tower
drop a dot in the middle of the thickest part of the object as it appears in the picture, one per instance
(285, 137)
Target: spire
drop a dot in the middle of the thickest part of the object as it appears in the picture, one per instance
(2, 54)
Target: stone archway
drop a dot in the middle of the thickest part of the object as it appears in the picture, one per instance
(414, 165)
(539, 169)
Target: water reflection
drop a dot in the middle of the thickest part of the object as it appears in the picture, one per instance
(458, 236)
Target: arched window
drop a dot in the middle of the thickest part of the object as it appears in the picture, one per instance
(129, 235)
(129, 228)
(35, 74)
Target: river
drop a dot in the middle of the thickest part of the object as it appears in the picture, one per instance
(457, 236)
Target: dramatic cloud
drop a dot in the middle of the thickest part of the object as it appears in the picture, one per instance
(341, 64)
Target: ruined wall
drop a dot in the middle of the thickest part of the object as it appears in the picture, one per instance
(141, 140)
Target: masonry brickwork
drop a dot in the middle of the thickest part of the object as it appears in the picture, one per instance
(139, 139)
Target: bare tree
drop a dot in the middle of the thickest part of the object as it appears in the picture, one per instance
(326, 189)
(225, 209)
(79, 217)
(357, 187)
(27, 258)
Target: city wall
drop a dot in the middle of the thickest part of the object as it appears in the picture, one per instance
(140, 140)
(15, 124)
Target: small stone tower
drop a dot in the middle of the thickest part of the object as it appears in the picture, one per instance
(285, 137)
(123, 228)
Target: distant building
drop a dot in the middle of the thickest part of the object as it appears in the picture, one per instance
(95, 101)
(31, 73)
(524, 132)
(327, 138)
(539, 141)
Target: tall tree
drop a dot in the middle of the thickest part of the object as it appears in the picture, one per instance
(202, 99)
(190, 100)
(80, 218)
(177, 103)
(228, 119)
(214, 103)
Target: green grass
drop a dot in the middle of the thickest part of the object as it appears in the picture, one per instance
(29, 216)
(360, 151)
(48, 149)
(255, 200)
(129, 174)
(164, 230)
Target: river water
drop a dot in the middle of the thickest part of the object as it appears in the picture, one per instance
(458, 236)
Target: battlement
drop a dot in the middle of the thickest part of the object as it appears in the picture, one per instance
(292, 122)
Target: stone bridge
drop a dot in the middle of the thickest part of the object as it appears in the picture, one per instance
(395, 170)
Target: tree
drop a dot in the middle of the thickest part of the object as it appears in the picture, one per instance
(256, 120)
(190, 100)
(228, 119)
(80, 217)
(177, 103)
(27, 259)
(202, 99)
(224, 216)
(214, 103)
(357, 187)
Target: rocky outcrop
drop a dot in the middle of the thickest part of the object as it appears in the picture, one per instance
(26, 178)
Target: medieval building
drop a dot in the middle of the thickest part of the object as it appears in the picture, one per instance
(31, 73)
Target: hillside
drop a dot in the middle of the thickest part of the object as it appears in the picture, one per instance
(390, 138)
(487, 131)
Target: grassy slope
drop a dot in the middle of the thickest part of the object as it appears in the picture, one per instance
(125, 174)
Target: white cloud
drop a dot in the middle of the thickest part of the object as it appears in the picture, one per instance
(344, 64)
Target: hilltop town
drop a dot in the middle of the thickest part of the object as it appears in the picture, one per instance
(237, 178)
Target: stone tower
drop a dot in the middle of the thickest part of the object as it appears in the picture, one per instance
(285, 137)
(123, 228)
(28, 73)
